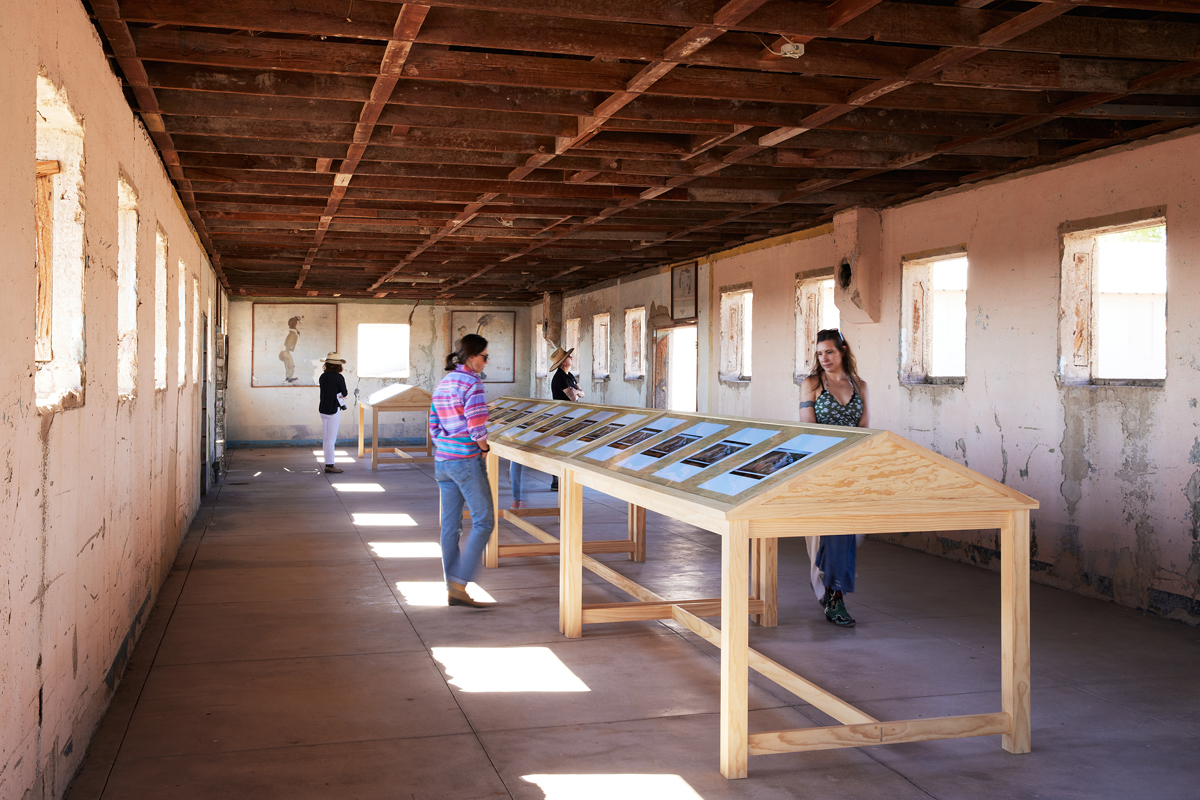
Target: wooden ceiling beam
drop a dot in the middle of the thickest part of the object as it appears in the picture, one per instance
(108, 16)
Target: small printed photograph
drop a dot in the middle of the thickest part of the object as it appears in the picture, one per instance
(549, 426)
(671, 445)
(531, 422)
(631, 439)
(506, 415)
(769, 464)
(600, 433)
(711, 455)
(577, 427)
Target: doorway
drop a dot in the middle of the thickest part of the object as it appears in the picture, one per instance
(675, 368)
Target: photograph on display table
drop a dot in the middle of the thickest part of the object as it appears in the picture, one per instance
(630, 439)
(577, 427)
(671, 445)
(712, 455)
(769, 464)
(529, 423)
(506, 415)
(549, 426)
(601, 432)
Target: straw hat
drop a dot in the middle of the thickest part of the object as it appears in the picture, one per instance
(560, 356)
(334, 358)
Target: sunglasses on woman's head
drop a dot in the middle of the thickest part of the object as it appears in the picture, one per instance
(828, 333)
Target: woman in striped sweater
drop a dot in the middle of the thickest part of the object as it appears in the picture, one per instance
(458, 419)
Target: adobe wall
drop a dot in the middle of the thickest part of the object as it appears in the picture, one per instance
(1116, 469)
(275, 415)
(95, 498)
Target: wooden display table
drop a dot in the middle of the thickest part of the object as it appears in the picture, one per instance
(635, 542)
(752, 482)
(397, 397)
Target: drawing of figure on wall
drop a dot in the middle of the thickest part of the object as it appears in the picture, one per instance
(289, 347)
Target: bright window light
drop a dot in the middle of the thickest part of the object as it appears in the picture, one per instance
(321, 453)
(382, 350)
(507, 669)
(358, 487)
(430, 593)
(406, 549)
(385, 520)
(603, 787)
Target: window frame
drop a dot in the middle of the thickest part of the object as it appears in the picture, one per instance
(541, 367)
(916, 322)
(809, 313)
(362, 367)
(635, 343)
(601, 346)
(737, 351)
(1077, 361)
(128, 269)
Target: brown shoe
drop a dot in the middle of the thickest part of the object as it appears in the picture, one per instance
(333, 468)
(456, 595)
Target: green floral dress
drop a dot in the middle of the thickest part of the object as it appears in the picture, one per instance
(830, 412)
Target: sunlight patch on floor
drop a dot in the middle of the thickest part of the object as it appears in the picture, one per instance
(605, 787)
(406, 549)
(384, 520)
(507, 669)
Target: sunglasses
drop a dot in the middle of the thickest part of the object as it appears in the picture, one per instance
(829, 333)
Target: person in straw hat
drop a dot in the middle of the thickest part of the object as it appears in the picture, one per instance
(333, 392)
(563, 386)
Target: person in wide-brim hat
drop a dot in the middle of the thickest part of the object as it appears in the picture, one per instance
(560, 356)
(333, 393)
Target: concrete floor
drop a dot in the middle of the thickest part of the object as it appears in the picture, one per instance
(301, 648)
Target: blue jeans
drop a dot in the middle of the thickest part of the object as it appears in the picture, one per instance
(463, 480)
(837, 558)
(515, 471)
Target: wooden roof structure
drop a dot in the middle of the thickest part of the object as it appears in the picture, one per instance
(496, 149)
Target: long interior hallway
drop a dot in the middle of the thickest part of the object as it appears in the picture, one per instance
(301, 648)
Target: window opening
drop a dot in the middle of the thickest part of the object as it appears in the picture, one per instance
(571, 339)
(160, 309)
(600, 345)
(1114, 304)
(543, 355)
(635, 343)
(127, 288)
(933, 333)
(383, 350)
(181, 309)
(195, 329)
(58, 231)
(815, 311)
(737, 325)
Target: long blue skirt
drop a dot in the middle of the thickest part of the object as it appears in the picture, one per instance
(836, 558)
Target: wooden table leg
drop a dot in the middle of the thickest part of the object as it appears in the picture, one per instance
(362, 412)
(374, 437)
(735, 645)
(491, 553)
(764, 579)
(570, 557)
(637, 532)
(1014, 630)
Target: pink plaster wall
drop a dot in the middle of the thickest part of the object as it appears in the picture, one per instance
(94, 500)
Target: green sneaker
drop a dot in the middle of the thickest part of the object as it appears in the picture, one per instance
(836, 612)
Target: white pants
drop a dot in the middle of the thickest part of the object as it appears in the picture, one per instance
(329, 432)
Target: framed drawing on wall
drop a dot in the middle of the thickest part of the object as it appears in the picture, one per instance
(290, 342)
(499, 328)
(683, 292)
